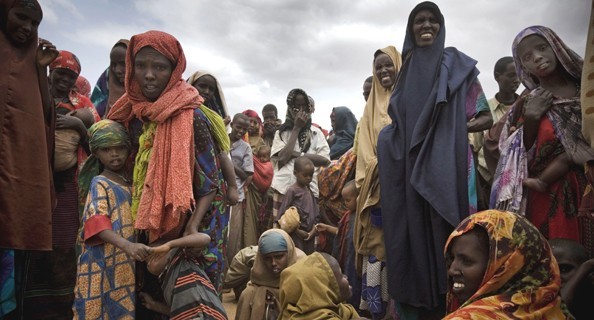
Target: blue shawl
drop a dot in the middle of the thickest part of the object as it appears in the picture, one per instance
(423, 165)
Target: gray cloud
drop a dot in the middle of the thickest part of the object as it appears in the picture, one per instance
(260, 49)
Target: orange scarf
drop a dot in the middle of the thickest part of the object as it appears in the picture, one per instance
(167, 191)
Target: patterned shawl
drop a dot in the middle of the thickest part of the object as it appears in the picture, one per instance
(522, 279)
(167, 187)
(507, 192)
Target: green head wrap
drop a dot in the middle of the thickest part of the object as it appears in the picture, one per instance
(103, 134)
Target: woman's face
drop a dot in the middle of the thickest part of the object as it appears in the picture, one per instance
(385, 71)
(276, 262)
(207, 87)
(301, 102)
(254, 128)
(425, 28)
(62, 81)
(152, 71)
(537, 56)
(467, 261)
(21, 24)
(117, 58)
(333, 120)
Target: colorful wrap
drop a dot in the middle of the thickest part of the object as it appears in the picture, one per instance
(522, 279)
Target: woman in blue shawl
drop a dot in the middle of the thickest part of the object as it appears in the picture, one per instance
(425, 165)
(344, 125)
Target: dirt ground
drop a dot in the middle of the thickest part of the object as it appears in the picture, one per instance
(230, 304)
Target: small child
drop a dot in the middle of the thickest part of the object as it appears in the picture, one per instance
(555, 170)
(344, 247)
(68, 140)
(243, 163)
(577, 276)
(263, 153)
(105, 280)
(315, 288)
(301, 197)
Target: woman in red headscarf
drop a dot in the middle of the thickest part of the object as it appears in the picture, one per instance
(257, 216)
(177, 184)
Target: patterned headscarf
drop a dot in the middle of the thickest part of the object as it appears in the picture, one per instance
(571, 61)
(304, 135)
(83, 86)
(102, 134)
(66, 60)
(522, 279)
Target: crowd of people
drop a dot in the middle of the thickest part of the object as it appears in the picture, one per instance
(144, 198)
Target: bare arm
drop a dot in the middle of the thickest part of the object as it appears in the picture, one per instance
(482, 121)
(229, 176)
(46, 53)
(202, 206)
(240, 172)
(138, 251)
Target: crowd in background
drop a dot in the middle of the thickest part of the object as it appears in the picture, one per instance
(144, 198)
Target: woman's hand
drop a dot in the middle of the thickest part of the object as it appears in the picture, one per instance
(46, 53)
(539, 102)
(64, 121)
(138, 251)
(227, 120)
(301, 119)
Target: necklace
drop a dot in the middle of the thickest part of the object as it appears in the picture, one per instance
(126, 180)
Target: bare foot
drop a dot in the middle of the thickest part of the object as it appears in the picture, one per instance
(535, 184)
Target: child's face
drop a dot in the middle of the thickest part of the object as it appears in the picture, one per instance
(276, 262)
(349, 194)
(467, 262)
(113, 158)
(21, 24)
(305, 175)
(238, 128)
(301, 103)
(568, 264)
(537, 56)
(264, 154)
(343, 282)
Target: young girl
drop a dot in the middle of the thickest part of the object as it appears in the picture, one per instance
(500, 267)
(541, 142)
(105, 284)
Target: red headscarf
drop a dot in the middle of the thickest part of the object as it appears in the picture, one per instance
(83, 86)
(66, 60)
(167, 191)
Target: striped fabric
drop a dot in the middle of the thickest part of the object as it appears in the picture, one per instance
(188, 290)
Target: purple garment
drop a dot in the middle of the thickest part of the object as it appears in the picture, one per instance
(305, 202)
(423, 165)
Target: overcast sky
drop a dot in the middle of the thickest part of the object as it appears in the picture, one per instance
(261, 49)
